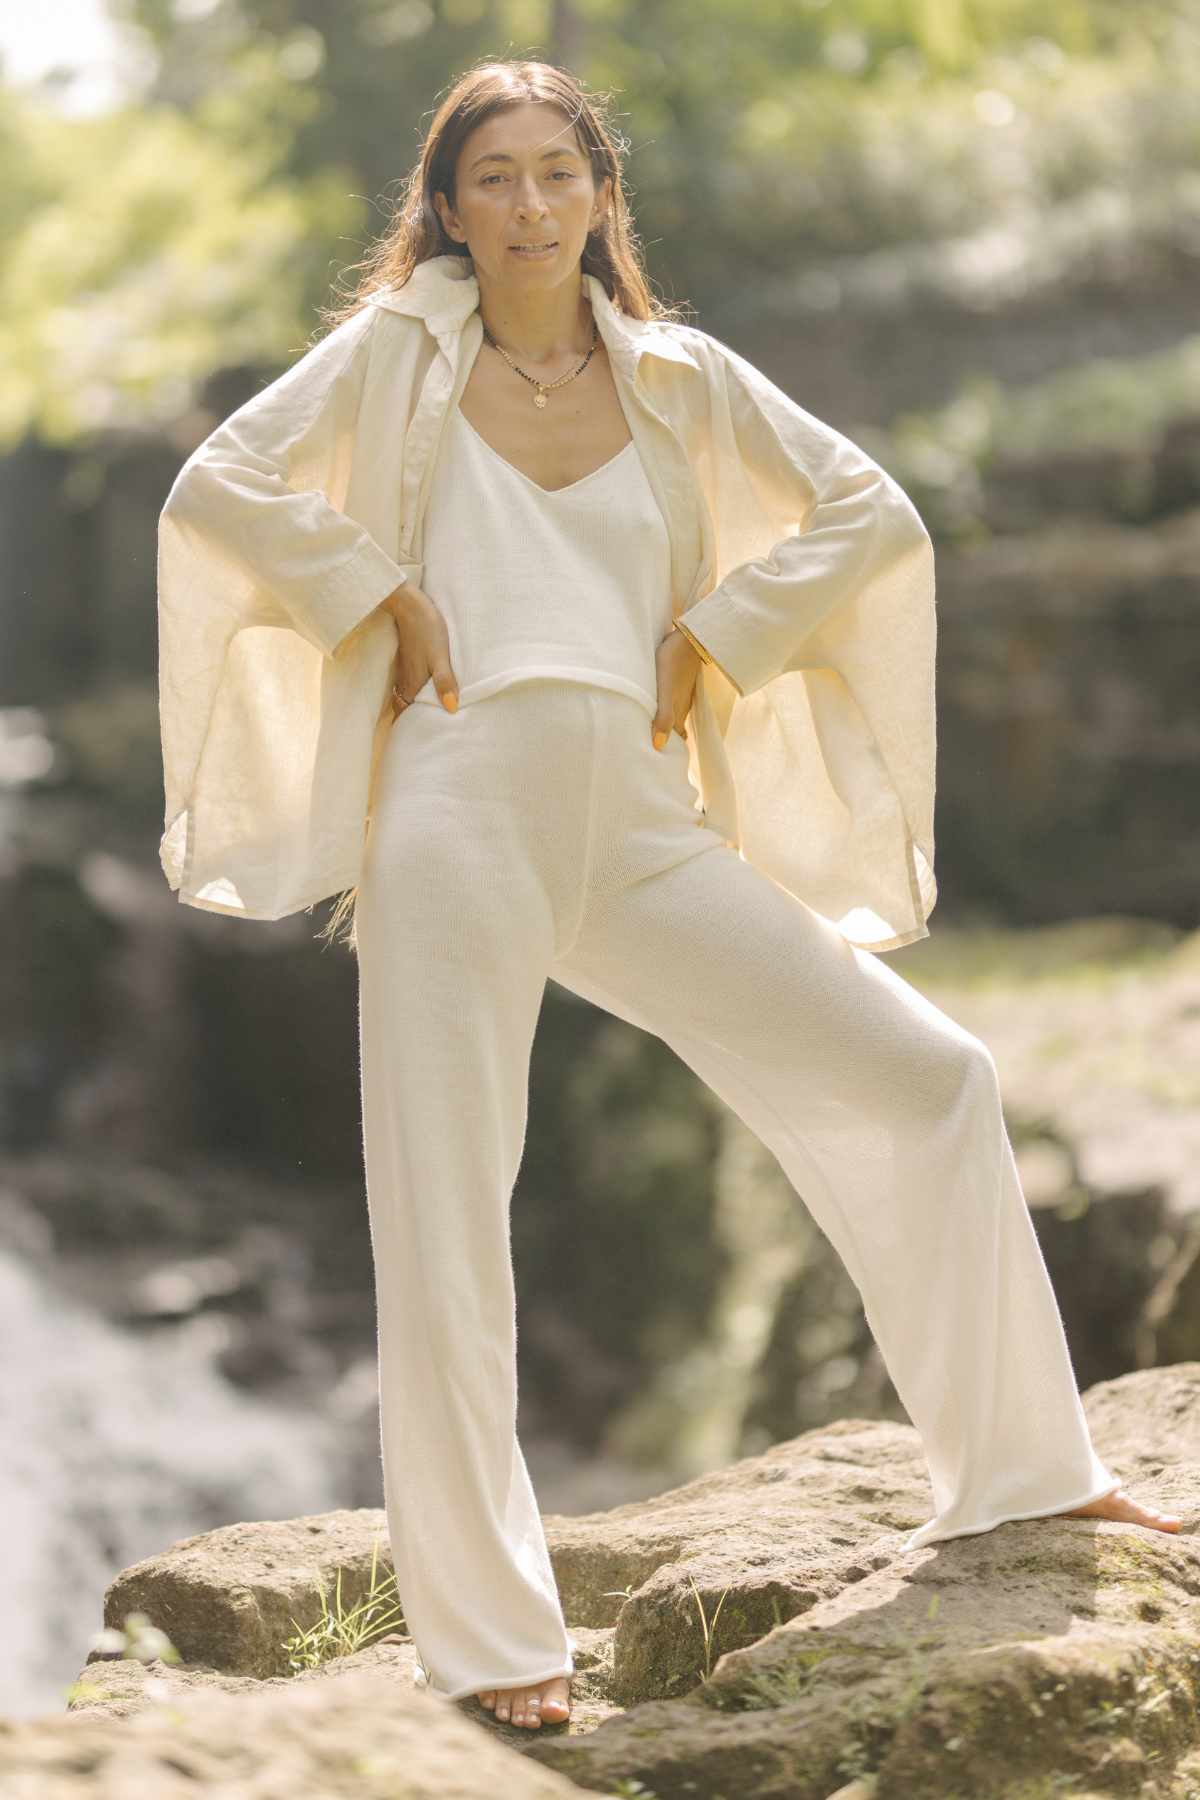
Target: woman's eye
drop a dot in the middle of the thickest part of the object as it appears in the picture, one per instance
(565, 173)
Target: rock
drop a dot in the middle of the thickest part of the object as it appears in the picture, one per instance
(366, 1735)
(757, 1632)
(1065, 695)
(229, 1599)
(782, 1531)
(1048, 1656)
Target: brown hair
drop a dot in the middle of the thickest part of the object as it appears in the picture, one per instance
(415, 234)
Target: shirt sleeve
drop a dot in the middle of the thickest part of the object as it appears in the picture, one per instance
(852, 526)
(251, 495)
(702, 651)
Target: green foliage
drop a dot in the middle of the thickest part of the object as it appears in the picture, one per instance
(341, 1631)
(708, 1628)
(137, 1638)
(146, 254)
(198, 227)
(1113, 404)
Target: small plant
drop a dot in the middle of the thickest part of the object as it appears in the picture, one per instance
(138, 1639)
(708, 1632)
(631, 1789)
(785, 1685)
(340, 1633)
(855, 1761)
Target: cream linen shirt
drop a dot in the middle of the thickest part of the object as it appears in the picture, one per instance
(797, 563)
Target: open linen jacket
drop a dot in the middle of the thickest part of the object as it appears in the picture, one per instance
(797, 563)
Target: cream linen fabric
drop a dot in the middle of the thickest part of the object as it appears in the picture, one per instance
(798, 562)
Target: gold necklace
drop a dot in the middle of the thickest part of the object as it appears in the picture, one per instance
(543, 388)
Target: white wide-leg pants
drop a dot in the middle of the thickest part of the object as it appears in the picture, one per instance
(535, 835)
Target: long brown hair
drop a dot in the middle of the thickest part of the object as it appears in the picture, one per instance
(612, 252)
(415, 234)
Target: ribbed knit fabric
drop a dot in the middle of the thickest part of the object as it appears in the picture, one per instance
(539, 835)
(573, 582)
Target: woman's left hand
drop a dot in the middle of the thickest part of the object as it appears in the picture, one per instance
(678, 665)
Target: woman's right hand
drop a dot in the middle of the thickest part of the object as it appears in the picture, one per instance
(423, 650)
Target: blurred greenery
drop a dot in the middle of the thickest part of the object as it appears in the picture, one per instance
(1108, 404)
(200, 225)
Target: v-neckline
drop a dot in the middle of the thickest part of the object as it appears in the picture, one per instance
(549, 492)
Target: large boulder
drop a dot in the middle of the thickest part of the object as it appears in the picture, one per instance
(364, 1736)
(1048, 1656)
(757, 1632)
(230, 1599)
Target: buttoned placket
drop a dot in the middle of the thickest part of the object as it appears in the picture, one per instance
(683, 505)
(688, 514)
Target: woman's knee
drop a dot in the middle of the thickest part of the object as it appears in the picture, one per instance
(957, 1071)
(979, 1071)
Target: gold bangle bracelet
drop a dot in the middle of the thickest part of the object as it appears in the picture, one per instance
(697, 646)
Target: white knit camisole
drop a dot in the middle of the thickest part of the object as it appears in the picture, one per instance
(573, 583)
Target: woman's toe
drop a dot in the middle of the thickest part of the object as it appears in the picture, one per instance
(556, 1704)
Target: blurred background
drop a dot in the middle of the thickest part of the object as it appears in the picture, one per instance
(965, 232)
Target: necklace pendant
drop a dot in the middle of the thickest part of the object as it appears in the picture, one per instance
(539, 399)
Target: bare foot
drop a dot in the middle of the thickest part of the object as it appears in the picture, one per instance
(528, 1706)
(1118, 1505)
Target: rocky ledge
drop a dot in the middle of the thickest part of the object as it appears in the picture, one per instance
(756, 1633)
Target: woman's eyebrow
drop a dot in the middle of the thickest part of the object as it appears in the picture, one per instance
(503, 156)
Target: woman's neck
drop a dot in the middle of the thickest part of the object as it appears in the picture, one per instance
(538, 329)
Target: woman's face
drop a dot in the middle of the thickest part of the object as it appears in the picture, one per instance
(522, 178)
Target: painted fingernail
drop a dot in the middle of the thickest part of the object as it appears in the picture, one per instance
(660, 738)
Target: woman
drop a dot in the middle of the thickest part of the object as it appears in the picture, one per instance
(550, 716)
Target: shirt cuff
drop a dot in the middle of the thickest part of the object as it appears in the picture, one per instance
(718, 645)
(349, 595)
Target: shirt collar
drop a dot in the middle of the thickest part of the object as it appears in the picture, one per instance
(444, 291)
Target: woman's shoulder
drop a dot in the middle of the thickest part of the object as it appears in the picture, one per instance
(747, 394)
(710, 352)
(351, 338)
(336, 343)
(372, 313)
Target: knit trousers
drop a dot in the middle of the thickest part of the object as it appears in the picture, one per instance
(537, 835)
